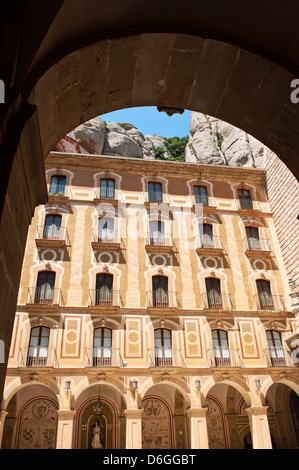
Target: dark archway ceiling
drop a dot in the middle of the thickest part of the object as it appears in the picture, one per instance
(233, 60)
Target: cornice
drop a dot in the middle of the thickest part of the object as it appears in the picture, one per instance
(154, 167)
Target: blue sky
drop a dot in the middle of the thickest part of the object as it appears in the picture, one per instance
(150, 121)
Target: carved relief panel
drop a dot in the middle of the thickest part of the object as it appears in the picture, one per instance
(215, 425)
(156, 430)
(38, 425)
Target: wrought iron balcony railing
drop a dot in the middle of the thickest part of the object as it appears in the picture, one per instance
(257, 244)
(37, 356)
(104, 298)
(248, 204)
(165, 357)
(203, 242)
(208, 201)
(42, 296)
(157, 239)
(45, 234)
(217, 302)
(102, 357)
(59, 190)
(224, 357)
(105, 237)
(162, 299)
(279, 357)
(108, 195)
(270, 303)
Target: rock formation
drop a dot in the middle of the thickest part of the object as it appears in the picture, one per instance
(215, 142)
(211, 141)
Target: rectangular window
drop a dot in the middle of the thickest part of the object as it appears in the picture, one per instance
(245, 199)
(107, 189)
(264, 293)
(157, 236)
(201, 195)
(155, 192)
(206, 235)
(57, 186)
(253, 238)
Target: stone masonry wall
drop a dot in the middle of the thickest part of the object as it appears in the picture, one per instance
(283, 194)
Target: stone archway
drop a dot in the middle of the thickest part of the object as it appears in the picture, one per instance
(100, 418)
(227, 420)
(283, 416)
(32, 420)
(164, 420)
(68, 71)
(97, 425)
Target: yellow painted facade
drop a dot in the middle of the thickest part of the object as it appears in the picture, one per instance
(181, 333)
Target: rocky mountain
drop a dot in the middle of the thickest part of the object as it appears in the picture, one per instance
(118, 139)
(215, 142)
(211, 141)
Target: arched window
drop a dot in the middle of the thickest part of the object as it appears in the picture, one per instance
(52, 227)
(213, 292)
(155, 192)
(160, 291)
(38, 347)
(220, 348)
(276, 351)
(264, 294)
(201, 195)
(107, 189)
(102, 347)
(104, 292)
(105, 229)
(163, 348)
(57, 186)
(44, 292)
(206, 235)
(245, 199)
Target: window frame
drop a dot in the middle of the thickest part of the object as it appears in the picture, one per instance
(58, 185)
(155, 192)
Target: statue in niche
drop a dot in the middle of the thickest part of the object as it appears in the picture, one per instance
(96, 439)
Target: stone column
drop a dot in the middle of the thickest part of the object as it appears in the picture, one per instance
(259, 427)
(65, 429)
(22, 188)
(3, 415)
(133, 429)
(197, 417)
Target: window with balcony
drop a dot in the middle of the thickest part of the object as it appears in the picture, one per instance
(253, 238)
(107, 189)
(206, 236)
(264, 294)
(221, 348)
(157, 233)
(105, 230)
(201, 195)
(160, 291)
(104, 292)
(57, 185)
(44, 292)
(214, 297)
(52, 227)
(38, 347)
(245, 199)
(277, 357)
(163, 348)
(102, 347)
(155, 192)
